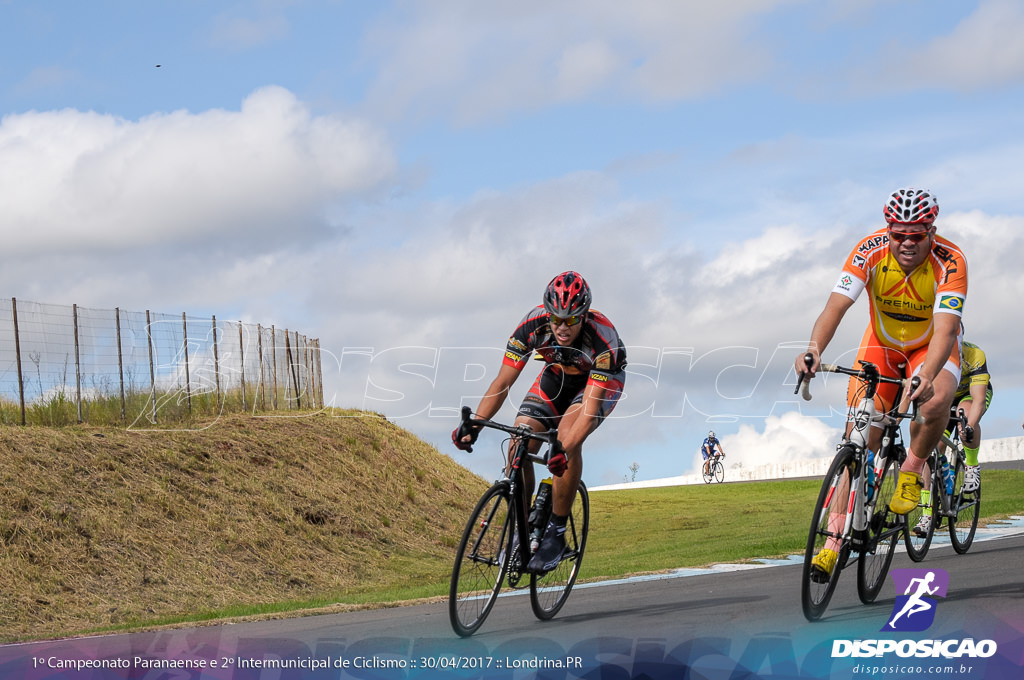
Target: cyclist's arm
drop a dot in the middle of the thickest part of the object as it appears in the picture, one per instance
(496, 394)
(825, 328)
(979, 392)
(947, 328)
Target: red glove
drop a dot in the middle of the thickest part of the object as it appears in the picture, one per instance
(557, 462)
(461, 431)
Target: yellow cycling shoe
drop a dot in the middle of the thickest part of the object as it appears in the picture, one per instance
(823, 564)
(907, 494)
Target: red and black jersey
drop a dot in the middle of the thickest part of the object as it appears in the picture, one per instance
(597, 352)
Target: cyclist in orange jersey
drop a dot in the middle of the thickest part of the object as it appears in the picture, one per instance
(917, 285)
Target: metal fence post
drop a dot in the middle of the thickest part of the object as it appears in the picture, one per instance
(261, 392)
(184, 342)
(273, 352)
(320, 371)
(241, 361)
(152, 370)
(120, 359)
(78, 363)
(17, 353)
(216, 362)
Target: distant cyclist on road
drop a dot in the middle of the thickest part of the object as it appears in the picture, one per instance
(916, 282)
(578, 387)
(707, 449)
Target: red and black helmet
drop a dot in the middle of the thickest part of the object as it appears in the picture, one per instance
(911, 206)
(567, 295)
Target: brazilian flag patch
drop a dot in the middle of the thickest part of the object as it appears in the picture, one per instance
(952, 303)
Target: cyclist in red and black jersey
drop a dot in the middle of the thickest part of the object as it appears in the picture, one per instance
(578, 387)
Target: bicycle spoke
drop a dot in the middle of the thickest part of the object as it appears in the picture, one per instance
(828, 520)
(548, 592)
(966, 510)
(883, 531)
(480, 561)
(917, 546)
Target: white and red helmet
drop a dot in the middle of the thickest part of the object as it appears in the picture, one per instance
(567, 295)
(911, 206)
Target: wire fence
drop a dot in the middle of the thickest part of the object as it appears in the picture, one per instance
(61, 364)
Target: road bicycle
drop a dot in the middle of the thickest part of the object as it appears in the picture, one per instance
(713, 470)
(495, 545)
(853, 504)
(958, 508)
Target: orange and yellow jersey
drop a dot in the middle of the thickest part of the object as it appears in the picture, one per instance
(902, 305)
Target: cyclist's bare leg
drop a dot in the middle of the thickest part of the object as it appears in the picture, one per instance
(563, 489)
(528, 476)
(837, 518)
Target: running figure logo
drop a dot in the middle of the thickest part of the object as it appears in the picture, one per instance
(915, 608)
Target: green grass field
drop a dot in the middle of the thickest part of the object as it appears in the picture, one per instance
(105, 529)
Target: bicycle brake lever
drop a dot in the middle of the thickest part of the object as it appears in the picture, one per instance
(803, 384)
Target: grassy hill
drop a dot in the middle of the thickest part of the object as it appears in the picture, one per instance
(101, 527)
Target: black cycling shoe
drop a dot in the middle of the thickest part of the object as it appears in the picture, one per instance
(549, 554)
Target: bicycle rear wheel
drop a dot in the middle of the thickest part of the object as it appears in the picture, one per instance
(481, 560)
(967, 507)
(719, 471)
(816, 588)
(548, 592)
(707, 473)
(884, 528)
(917, 546)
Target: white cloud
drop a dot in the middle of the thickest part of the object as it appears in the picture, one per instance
(242, 33)
(79, 181)
(789, 437)
(485, 60)
(983, 51)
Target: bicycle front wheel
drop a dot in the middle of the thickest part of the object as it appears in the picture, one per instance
(967, 507)
(828, 521)
(719, 471)
(548, 592)
(917, 545)
(884, 527)
(481, 560)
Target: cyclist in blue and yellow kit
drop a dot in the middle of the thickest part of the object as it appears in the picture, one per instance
(974, 395)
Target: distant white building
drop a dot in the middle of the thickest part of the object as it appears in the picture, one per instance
(992, 450)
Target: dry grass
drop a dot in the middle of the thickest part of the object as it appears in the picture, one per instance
(101, 527)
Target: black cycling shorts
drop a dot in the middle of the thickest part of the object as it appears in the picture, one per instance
(554, 391)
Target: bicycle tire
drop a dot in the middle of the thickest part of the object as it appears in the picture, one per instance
(481, 560)
(964, 524)
(884, 528)
(707, 473)
(549, 592)
(719, 471)
(814, 593)
(917, 546)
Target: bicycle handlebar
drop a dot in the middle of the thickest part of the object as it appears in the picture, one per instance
(549, 437)
(868, 374)
(961, 418)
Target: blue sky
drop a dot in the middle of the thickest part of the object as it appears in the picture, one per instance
(401, 180)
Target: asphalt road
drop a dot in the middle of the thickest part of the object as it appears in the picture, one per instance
(726, 623)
